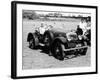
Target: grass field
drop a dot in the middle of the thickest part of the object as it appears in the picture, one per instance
(36, 59)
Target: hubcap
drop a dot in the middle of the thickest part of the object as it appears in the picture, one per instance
(57, 50)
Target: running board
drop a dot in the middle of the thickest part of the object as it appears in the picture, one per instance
(75, 48)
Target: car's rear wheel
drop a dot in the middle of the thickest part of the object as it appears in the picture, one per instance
(32, 44)
(58, 50)
(33, 40)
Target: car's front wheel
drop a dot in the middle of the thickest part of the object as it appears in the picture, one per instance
(58, 50)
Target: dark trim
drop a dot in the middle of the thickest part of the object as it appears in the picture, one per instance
(54, 4)
(55, 75)
(14, 39)
(96, 39)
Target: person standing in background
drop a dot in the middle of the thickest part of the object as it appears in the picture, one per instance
(88, 23)
(83, 25)
(79, 31)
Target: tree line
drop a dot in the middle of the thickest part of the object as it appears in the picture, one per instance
(32, 15)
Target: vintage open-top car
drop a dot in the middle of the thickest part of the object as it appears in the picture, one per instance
(59, 42)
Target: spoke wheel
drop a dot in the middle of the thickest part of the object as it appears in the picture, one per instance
(31, 44)
(59, 51)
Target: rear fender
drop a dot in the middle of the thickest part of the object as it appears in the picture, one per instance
(33, 36)
(29, 37)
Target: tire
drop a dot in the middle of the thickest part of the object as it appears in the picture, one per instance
(84, 50)
(32, 44)
(29, 37)
(32, 40)
(58, 50)
(48, 38)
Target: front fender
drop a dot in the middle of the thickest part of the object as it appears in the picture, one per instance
(61, 39)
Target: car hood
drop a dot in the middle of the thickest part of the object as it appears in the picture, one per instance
(59, 30)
